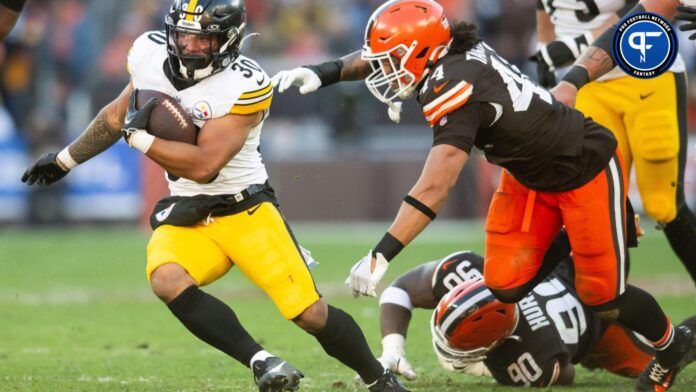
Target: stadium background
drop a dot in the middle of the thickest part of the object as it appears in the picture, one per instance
(75, 310)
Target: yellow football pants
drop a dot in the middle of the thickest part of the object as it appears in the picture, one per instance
(257, 240)
(648, 118)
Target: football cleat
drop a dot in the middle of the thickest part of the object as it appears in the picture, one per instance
(655, 377)
(387, 382)
(275, 375)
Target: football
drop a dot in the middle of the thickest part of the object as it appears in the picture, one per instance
(168, 119)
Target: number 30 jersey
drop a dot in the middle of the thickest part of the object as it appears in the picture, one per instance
(478, 99)
(242, 88)
(553, 325)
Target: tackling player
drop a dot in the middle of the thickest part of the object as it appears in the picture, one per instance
(647, 116)
(534, 343)
(9, 13)
(562, 169)
(222, 211)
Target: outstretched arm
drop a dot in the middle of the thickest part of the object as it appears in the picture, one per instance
(310, 78)
(103, 131)
(99, 135)
(420, 207)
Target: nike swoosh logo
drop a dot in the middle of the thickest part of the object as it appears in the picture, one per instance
(129, 117)
(646, 95)
(162, 215)
(439, 88)
(253, 210)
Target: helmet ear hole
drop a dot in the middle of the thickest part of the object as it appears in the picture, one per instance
(423, 53)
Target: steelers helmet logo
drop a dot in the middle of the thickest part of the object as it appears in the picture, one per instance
(645, 45)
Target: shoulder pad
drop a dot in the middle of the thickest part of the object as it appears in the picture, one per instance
(257, 90)
(144, 47)
(448, 88)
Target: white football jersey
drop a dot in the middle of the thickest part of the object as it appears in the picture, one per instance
(572, 18)
(242, 88)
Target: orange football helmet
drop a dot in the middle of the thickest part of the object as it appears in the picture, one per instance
(469, 322)
(402, 39)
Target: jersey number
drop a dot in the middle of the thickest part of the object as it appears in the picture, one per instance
(525, 370)
(245, 67)
(461, 275)
(158, 37)
(519, 86)
(565, 311)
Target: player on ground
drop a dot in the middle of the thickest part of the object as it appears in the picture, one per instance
(647, 116)
(222, 211)
(562, 169)
(535, 343)
(9, 13)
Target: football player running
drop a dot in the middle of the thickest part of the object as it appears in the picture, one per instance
(647, 116)
(561, 169)
(222, 211)
(9, 13)
(533, 343)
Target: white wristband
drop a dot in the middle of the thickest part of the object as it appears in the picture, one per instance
(141, 141)
(394, 343)
(396, 296)
(65, 159)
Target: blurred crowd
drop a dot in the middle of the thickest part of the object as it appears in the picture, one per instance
(65, 59)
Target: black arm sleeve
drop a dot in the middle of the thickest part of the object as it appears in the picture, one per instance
(14, 5)
(459, 128)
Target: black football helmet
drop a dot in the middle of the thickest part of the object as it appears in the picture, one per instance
(220, 22)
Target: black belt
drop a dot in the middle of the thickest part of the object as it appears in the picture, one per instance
(247, 193)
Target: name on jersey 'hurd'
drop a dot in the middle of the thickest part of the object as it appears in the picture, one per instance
(645, 45)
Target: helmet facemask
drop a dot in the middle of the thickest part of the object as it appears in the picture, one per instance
(215, 26)
(222, 47)
(390, 79)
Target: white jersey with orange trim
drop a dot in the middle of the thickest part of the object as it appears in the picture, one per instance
(572, 18)
(242, 88)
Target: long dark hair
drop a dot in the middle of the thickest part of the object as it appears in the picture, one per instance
(463, 37)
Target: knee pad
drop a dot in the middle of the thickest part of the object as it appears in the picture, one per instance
(656, 136)
(660, 206)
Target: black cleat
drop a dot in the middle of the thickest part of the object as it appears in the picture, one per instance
(387, 382)
(655, 377)
(275, 375)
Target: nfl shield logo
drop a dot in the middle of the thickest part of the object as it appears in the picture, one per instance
(202, 110)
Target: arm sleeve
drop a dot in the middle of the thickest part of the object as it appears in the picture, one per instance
(459, 128)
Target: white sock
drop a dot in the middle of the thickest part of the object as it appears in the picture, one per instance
(259, 356)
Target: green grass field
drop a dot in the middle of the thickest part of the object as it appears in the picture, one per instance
(76, 314)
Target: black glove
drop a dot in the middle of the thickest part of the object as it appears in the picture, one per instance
(136, 120)
(688, 14)
(45, 171)
(554, 55)
(545, 76)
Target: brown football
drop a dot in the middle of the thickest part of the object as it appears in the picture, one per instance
(168, 119)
